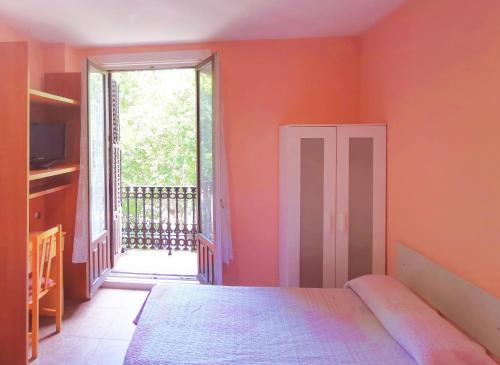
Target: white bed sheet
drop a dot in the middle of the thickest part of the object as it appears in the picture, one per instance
(192, 324)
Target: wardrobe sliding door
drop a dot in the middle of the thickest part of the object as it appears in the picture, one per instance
(361, 181)
(307, 203)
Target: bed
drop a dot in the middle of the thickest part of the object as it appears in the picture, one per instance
(375, 320)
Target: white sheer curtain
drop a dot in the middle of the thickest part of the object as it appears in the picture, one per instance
(81, 240)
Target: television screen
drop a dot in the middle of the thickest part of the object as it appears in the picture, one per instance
(47, 144)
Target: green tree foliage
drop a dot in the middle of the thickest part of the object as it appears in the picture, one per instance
(158, 127)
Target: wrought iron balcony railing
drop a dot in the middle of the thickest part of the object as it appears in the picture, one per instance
(159, 217)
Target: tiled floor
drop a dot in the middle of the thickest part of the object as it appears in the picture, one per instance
(158, 262)
(93, 333)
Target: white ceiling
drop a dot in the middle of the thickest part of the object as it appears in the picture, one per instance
(127, 22)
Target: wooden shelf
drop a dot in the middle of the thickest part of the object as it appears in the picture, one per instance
(41, 97)
(46, 191)
(53, 171)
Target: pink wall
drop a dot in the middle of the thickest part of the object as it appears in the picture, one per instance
(266, 84)
(43, 57)
(432, 71)
(8, 34)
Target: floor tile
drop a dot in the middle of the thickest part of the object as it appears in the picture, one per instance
(63, 349)
(124, 299)
(91, 322)
(122, 327)
(93, 332)
(109, 352)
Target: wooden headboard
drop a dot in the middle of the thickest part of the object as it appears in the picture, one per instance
(470, 308)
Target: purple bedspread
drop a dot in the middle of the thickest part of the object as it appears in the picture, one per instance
(193, 324)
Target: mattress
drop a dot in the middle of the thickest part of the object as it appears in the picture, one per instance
(193, 324)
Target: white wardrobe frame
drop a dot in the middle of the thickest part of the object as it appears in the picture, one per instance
(379, 197)
(336, 199)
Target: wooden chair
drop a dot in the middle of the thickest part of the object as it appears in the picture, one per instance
(45, 277)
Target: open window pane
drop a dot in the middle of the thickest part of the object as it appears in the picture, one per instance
(206, 165)
(97, 149)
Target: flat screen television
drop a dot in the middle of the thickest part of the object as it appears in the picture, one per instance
(47, 144)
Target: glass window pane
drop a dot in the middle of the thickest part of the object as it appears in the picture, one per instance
(206, 151)
(360, 206)
(97, 155)
(311, 212)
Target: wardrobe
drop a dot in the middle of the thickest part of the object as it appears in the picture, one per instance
(332, 197)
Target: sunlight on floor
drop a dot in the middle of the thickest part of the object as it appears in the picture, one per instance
(157, 262)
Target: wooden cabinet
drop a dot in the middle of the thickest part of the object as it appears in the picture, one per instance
(332, 204)
(53, 191)
(14, 210)
(33, 200)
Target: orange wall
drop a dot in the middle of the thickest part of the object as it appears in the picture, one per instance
(43, 57)
(266, 84)
(8, 34)
(35, 58)
(432, 71)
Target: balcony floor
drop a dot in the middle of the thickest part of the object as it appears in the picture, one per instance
(158, 262)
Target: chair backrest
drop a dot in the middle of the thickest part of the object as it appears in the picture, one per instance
(45, 246)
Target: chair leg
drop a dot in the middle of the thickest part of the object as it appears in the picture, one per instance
(35, 323)
(59, 308)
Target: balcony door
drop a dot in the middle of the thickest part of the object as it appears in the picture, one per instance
(99, 249)
(105, 184)
(205, 92)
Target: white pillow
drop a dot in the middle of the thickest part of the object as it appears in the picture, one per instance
(419, 329)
